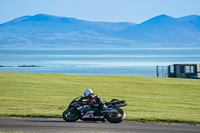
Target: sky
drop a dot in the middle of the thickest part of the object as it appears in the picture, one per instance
(135, 11)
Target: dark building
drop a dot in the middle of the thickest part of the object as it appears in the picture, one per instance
(184, 71)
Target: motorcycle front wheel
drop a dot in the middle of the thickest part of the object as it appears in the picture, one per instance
(116, 117)
(71, 115)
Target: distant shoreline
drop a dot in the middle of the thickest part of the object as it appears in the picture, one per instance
(22, 66)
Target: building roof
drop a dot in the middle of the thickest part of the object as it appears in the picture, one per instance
(187, 64)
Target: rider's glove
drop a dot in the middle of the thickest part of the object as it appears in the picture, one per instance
(104, 107)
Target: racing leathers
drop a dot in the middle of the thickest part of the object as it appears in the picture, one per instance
(95, 98)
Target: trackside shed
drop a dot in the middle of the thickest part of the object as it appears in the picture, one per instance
(184, 71)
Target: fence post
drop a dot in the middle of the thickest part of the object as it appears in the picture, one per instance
(157, 71)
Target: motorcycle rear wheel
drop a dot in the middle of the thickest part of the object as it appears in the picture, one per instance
(71, 115)
(116, 118)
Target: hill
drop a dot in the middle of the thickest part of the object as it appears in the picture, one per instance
(164, 29)
(43, 30)
(51, 31)
(148, 98)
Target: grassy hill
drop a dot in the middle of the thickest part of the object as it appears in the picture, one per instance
(148, 99)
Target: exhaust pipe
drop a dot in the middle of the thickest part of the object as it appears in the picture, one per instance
(120, 105)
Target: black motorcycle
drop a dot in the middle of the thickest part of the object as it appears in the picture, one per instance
(83, 110)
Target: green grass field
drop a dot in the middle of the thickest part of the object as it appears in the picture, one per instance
(148, 98)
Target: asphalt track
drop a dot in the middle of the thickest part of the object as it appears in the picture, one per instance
(57, 125)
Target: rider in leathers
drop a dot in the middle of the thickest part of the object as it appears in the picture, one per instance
(88, 93)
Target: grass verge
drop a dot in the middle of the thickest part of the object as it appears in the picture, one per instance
(148, 98)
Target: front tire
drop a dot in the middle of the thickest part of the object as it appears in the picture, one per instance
(71, 115)
(117, 117)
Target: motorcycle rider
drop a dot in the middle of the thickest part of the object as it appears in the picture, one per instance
(88, 94)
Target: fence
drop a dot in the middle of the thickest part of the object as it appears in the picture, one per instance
(162, 71)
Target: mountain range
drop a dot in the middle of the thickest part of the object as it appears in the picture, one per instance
(44, 30)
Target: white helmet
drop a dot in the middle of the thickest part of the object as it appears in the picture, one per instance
(88, 92)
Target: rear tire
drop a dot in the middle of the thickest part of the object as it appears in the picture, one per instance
(71, 115)
(116, 118)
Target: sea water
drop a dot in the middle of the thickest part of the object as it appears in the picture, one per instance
(135, 62)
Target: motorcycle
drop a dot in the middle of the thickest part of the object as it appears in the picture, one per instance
(85, 111)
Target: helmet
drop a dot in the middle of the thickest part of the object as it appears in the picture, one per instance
(88, 92)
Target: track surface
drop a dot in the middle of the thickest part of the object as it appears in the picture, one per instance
(57, 125)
